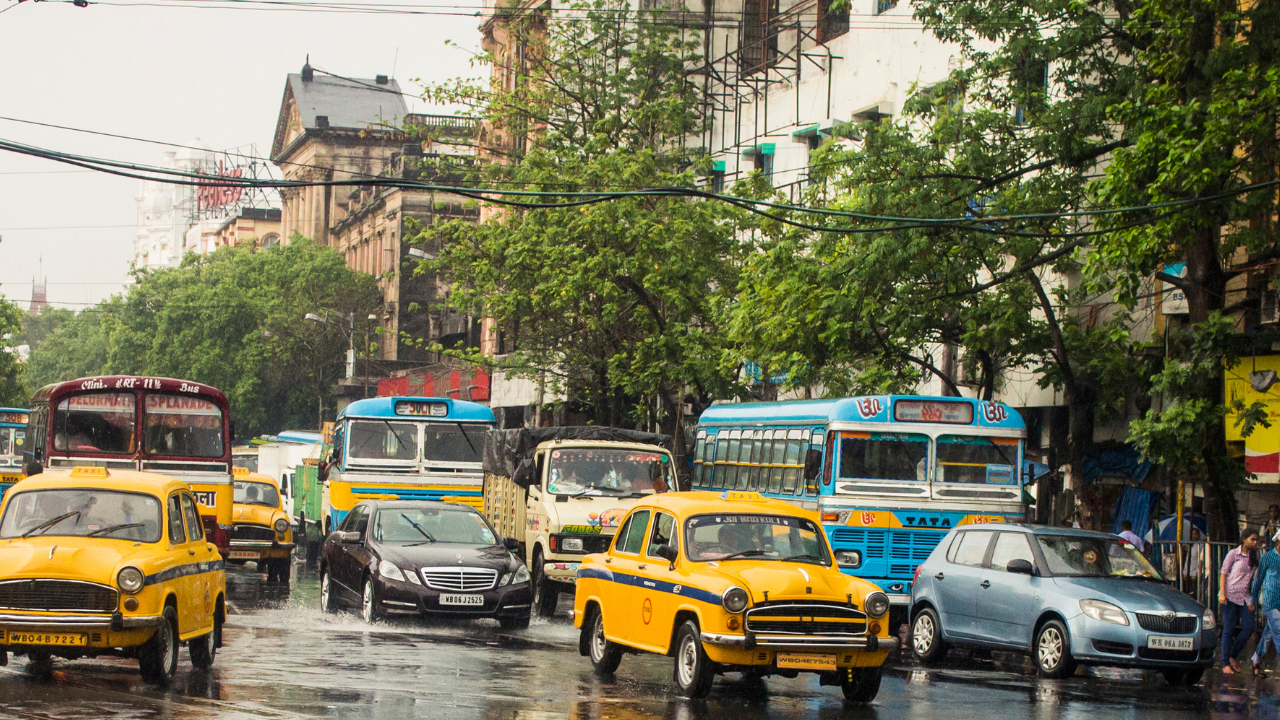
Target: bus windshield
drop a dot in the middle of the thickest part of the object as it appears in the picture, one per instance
(101, 422)
(453, 443)
(183, 426)
(82, 513)
(11, 440)
(592, 471)
(975, 459)
(883, 456)
(383, 440)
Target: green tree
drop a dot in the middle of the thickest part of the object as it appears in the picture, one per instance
(13, 391)
(74, 346)
(616, 302)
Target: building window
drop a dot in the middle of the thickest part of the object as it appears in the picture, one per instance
(832, 22)
(717, 176)
(1032, 80)
(759, 49)
(764, 163)
(271, 240)
(884, 6)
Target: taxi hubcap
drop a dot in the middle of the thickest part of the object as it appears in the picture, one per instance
(597, 640)
(688, 661)
(1050, 648)
(922, 636)
(368, 601)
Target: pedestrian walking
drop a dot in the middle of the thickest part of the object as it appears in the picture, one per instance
(1271, 527)
(1265, 592)
(1126, 532)
(1235, 604)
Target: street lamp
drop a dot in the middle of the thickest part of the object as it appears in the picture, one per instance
(421, 254)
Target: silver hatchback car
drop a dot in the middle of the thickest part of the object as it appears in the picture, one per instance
(1066, 596)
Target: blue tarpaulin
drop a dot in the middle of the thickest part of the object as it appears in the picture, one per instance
(1125, 461)
(1134, 505)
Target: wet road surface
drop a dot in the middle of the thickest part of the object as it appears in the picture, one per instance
(286, 659)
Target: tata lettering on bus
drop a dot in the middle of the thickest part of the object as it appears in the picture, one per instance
(13, 441)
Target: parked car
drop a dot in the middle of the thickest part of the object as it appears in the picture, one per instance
(438, 559)
(1068, 597)
(731, 582)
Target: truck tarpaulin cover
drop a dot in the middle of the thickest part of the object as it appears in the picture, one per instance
(510, 452)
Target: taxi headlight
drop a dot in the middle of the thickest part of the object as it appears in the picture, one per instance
(282, 525)
(1104, 612)
(877, 604)
(735, 599)
(389, 570)
(130, 580)
(849, 558)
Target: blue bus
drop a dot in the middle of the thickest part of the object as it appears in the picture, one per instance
(13, 438)
(889, 474)
(406, 448)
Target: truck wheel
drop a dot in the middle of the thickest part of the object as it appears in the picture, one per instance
(158, 658)
(546, 594)
(694, 671)
(860, 685)
(605, 655)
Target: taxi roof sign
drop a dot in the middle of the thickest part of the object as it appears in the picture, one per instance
(90, 472)
(238, 471)
(741, 495)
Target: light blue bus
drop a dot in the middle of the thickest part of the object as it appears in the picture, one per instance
(890, 474)
(13, 434)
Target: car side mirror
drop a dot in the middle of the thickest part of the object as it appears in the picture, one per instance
(668, 553)
(511, 544)
(351, 537)
(1020, 566)
(812, 463)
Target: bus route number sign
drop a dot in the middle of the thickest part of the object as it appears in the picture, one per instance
(933, 411)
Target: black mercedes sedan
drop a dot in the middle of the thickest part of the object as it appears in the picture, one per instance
(419, 558)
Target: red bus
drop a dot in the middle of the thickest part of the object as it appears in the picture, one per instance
(173, 427)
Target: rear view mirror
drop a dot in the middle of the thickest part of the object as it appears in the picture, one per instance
(812, 463)
(1020, 566)
(511, 544)
(668, 553)
(351, 537)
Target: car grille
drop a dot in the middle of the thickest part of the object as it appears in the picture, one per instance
(1114, 648)
(1177, 625)
(1152, 654)
(464, 579)
(806, 619)
(57, 595)
(252, 532)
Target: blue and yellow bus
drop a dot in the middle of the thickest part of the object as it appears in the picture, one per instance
(13, 440)
(406, 448)
(890, 474)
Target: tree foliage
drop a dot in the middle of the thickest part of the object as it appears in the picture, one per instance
(12, 388)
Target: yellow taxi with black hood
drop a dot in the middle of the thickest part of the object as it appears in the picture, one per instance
(260, 528)
(108, 562)
(731, 582)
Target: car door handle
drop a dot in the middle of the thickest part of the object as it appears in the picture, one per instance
(985, 584)
(640, 567)
(191, 552)
(939, 576)
(608, 560)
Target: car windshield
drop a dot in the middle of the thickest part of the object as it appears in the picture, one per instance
(733, 536)
(608, 471)
(256, 493)
(975, 459)
(82, 513)
(1074, 556)
(453, 443)
(182, 426)
(401, 526)
(384, 440)
(99, 422)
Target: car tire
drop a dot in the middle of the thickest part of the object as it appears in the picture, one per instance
(605, 654)
(694, 671)
(40, 664)
(926, 638)
(158, 657)
(546, 593)
(861, 685)
(1183, 678)
(204, 649)
(1052, 651)
(514, 623)
(369, 602)
(284, 569)
(328, 603)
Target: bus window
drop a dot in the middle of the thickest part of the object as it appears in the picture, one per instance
(777, 456)
(792, 471)
(455, 443)
(383, 440)
(883, 456)
(722, 451)
(699, 454)
(757, 443)
(731, 470)
(970, 459)
(708, 460)
(744, 456)
(183, 426)
(101, 422)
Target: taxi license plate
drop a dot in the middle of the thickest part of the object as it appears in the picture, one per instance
(801, 661)
(33, 638)
(462, 600)
(1165, 642)
(243, 555)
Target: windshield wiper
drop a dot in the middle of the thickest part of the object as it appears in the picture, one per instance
(113, 528)
(394, 434)
(466, 437)
(744, 553)
(50, 523)
(419, 528)
(805, 556)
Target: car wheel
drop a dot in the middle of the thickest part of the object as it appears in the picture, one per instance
(158, 657)
(369, 602)
(546, 594)
(926, 638)
(1052, 651)
(860, 685)
(204, 649)
(605, 654)
(40, 664)
(1183, 678)
(284, 569)
(327, 603)
(694, 671)
(514, 623)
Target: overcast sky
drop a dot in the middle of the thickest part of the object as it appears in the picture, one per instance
(171, 74)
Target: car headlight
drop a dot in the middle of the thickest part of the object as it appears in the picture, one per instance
(849, 558)
(391, 571)
(1104, 612)
(735, 599)
(877, 604)
(281, 525)
(130, 580)
(1208, 621)
(571, 545)
(521, 575)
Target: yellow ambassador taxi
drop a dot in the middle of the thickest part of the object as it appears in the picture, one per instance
(260, 528)
(731, 582)
(108, 562)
